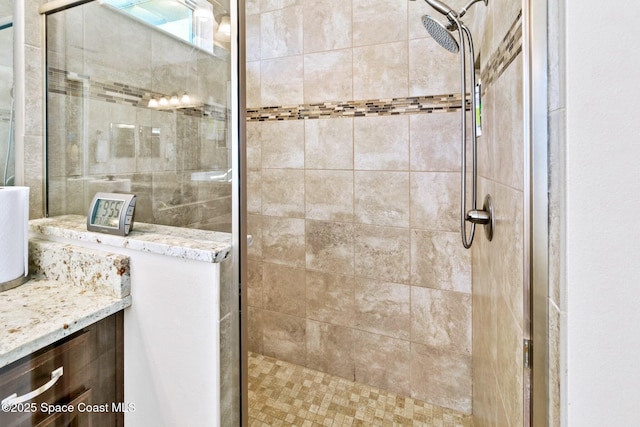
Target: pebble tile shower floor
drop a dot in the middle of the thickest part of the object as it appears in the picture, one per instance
(283, 394)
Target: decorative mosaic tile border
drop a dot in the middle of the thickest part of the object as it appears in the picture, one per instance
(508, 50)
(72, 84)
(378, 107)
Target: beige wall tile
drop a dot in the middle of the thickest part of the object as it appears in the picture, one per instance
(381, 143)
(284, 337)
(435, 200)
(330, 298)
(330, 349)
(383, 308)
(281, 32)
(327, 25)
(432, 69)
(486, 143)
(252, 37)
(508, 247)
(382, 198)
(441, 377)
(379, 21)
(254, 193)
(253, 86)
(283, 241)
(329, 246)
(508, 127)
(282, 81)
(283, 144)
(268, 5)
(441, 319)
(329, 195)
(439, 261)
(382, 362)
(382, 253)
(328, 76)
(254, 282)
(283, 192)
(388, 63)
(255, 321)
(416, 10)
(500, 15)
(329, 143)
(510, 377)
(435, 142)
(252, 7)
(254, 228)
(284, 289)
(254, 146)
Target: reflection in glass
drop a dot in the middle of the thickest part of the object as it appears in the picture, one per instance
(150, 117)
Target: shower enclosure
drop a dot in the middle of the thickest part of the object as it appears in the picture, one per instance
(141, 98)
(7, 170)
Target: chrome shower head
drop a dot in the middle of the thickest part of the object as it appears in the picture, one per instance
(440, 34)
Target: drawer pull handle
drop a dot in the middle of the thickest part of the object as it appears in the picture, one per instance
(14, 399)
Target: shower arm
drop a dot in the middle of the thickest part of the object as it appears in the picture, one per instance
(464, 10)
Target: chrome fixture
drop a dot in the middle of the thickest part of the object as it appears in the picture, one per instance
(442, 35)
(6, 178)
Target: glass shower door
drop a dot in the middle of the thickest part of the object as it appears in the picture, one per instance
(139, 100)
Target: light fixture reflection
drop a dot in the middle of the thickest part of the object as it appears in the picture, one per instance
(174, 101)
(153, 103)
(163, 102)
(224, 29)
(203, 14)
(186, 99)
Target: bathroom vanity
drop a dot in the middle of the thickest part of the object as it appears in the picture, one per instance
(181, 355)
(61, 339)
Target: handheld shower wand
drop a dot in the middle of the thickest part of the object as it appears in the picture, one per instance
(442, 35)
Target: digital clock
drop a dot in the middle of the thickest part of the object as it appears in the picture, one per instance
(111, 213)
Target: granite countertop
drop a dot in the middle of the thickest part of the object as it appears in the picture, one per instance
(197, 245)
(41, 312)
(71, 288)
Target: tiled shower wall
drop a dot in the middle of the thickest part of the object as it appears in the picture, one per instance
(357, 268)
(498, 266)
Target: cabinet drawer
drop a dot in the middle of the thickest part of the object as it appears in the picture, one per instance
(91, 361)
(70, 358)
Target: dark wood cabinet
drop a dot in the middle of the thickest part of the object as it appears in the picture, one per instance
(89, 391)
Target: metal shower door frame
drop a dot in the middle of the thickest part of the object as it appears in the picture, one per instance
(536, 211)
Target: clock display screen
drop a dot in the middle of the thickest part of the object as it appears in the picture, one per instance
(107, 213)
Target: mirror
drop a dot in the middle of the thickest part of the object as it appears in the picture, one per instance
(7, 146)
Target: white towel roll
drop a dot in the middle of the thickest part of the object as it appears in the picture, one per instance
(14, 233)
